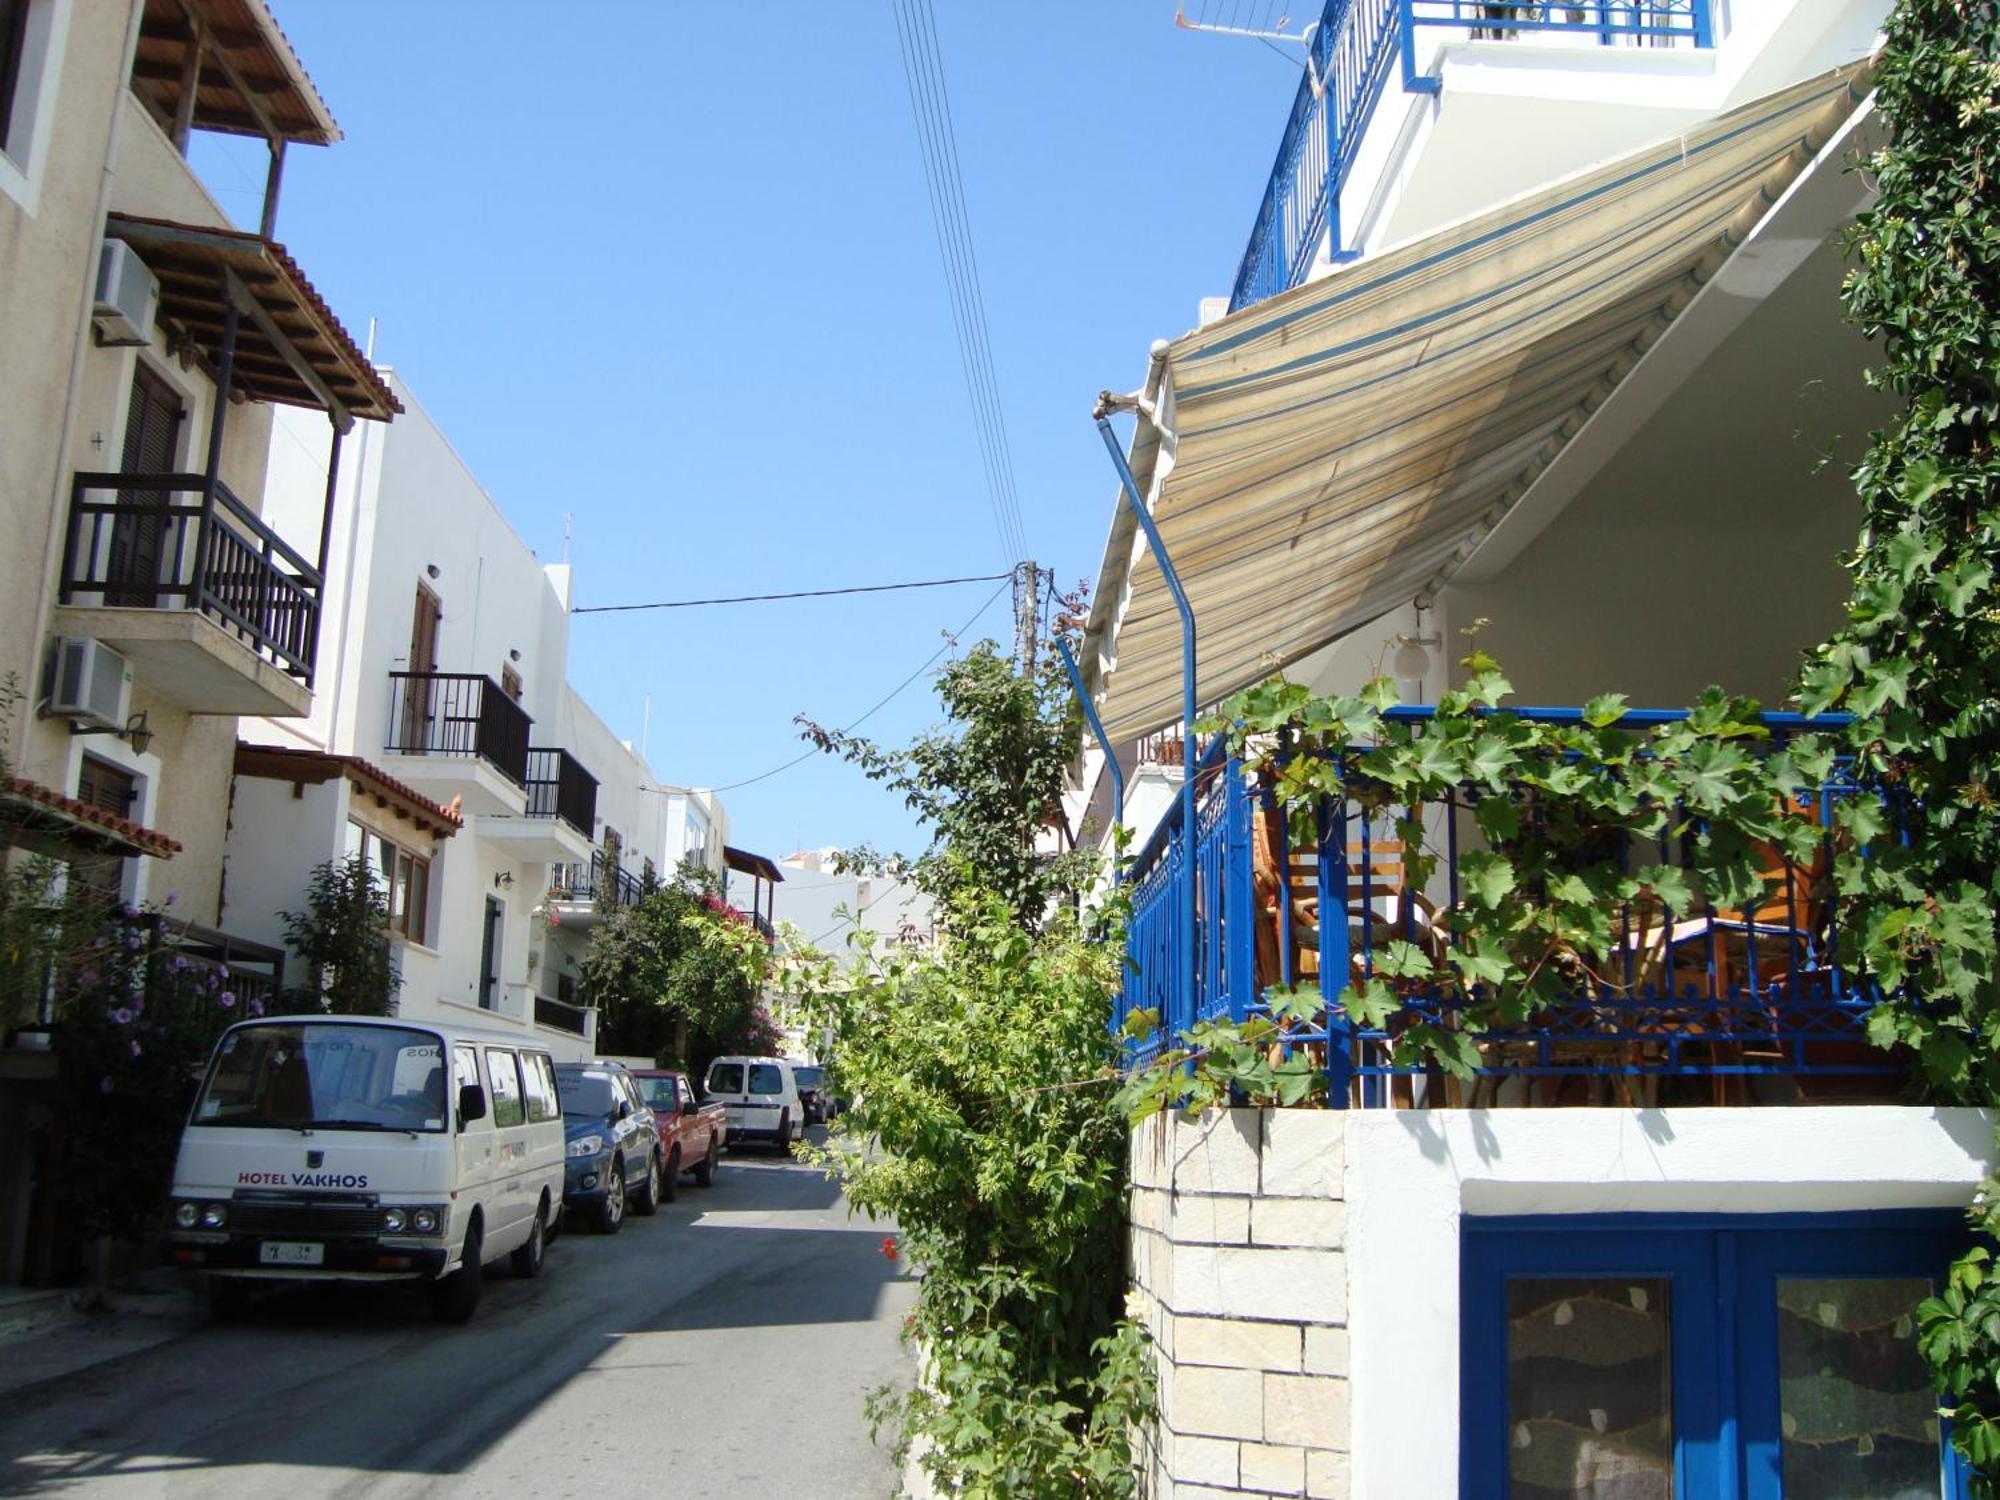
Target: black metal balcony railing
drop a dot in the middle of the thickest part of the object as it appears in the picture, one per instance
(458, 713)
(562, 1016)
(764, 928)
(136, 541)
(559, 787)
(597, 882)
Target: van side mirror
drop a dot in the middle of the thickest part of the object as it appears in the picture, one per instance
(471, 1104)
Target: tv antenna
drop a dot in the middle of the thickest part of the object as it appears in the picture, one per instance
(1266, 22)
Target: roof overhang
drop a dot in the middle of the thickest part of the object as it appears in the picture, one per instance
(248, 80)
(290, 348)
(313, 767)
(746, 863)
(44, 821)
(1346, 446)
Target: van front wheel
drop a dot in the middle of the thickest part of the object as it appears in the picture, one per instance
(455, 1297)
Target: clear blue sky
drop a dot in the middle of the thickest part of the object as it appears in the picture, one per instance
(671, 269)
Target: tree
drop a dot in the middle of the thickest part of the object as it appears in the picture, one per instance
(988, 784)
(679, 967)
(343, 939)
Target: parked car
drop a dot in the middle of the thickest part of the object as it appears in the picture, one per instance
(613, 1153)
(813, 1097)
(691, 1133)
(329, 1148)
(760, 1099)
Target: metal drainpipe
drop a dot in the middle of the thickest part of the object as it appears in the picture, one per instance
(1103, 742)
(1191, 756)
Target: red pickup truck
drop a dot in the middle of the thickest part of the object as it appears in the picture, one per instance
(691, 1134)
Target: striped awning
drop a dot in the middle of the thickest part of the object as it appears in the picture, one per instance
(1323, 456)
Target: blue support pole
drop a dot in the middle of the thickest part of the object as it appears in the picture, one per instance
(1103, 741)
(1191, 757)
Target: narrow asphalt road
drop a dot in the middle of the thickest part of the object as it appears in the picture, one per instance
(722, 1348)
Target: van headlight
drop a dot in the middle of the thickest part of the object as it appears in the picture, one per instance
(587, 1145)
(393, 1220)
(425, 1220)
(213, 1215)
(185, 1215)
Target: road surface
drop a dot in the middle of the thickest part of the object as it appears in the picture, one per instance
(722, 1348)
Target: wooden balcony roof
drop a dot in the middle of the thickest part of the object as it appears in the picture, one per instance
(249, 82)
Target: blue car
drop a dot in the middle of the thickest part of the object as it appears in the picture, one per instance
(612, 1158)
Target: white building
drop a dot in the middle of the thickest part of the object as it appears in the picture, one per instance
(1538, 327)
(447, 746)
(825, 905)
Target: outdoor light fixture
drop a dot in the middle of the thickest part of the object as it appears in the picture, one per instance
(136, 733)
(431, 569)
(513, 653)
(506, 878)
(1413, 662)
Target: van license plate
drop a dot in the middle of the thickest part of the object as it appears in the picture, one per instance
(282, 1253)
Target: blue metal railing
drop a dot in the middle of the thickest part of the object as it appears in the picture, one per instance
(1710, 994)
(1349, 61)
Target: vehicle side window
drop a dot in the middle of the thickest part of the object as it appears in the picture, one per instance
(501, 1068)
(539, 1075)
(766, 1078)
(464, 1070)
(630, 1094)
(726, 1078)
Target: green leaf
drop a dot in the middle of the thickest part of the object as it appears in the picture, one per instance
(1486, 876)
(1604, 710)
(1670, 884)
(1402, 960)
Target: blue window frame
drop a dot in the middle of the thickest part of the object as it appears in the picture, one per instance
(1744, 1330)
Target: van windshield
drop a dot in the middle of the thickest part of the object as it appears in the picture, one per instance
(325, 1075)
(726, 1078)
(808, 1078)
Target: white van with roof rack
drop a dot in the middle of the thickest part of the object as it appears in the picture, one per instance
(356, 1148)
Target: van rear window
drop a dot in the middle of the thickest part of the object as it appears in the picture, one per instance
(726, 1078)
(766, 1079)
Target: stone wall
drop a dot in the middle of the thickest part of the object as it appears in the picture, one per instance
(1239, 1269)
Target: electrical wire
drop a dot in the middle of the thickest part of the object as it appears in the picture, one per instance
(880, 703)
(863, 588)
(930, 107)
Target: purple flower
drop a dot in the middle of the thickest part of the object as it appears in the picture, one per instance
(122, 1016)
(226, 1000)
(255, 1007)
(134, 941)
(88, 976)
(135, 1048)
(171, 898)
(99, 941)
(179, 965)
(222, 971)
(104, 1085)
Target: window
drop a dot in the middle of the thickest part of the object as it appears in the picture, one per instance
(464, 1073)
(726, 1078)
(660, 1094)
(328, 1075)
(501, 1069)
(766, 1078)
(1604, 1354)
(405, 877)
(538, 1075)
(114, 790)
(13, 59)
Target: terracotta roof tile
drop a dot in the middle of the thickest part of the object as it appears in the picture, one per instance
(140, 837)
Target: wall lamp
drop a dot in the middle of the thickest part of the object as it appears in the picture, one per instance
(431, 570)
(136, 733)
(506, 878)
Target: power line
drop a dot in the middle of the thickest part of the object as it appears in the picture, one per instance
(862, 588)
(882, 702)
(930, 106)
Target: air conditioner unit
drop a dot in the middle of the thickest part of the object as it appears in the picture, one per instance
(128, 294)
(89, 681)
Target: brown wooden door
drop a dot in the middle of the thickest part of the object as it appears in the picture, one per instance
(140, 535)
(419, 697)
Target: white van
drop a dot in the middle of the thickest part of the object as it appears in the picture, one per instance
(761, 1098)
(330, 1147)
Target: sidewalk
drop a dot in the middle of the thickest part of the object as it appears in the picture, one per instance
(44, 1337)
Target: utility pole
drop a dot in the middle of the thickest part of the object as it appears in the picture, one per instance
(1027, 616)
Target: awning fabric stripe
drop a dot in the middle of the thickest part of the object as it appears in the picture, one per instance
(1336, 449)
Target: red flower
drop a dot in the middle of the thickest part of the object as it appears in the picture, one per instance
(888, 1247)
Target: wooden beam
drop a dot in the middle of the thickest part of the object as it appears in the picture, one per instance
(190, 86)
(301, 366)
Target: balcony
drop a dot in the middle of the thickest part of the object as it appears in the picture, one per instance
(1703, 1006)
(216, 611)
(1353, 50)
(579, 1021)
(457, 734)
(582, 895)
(561, 814)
